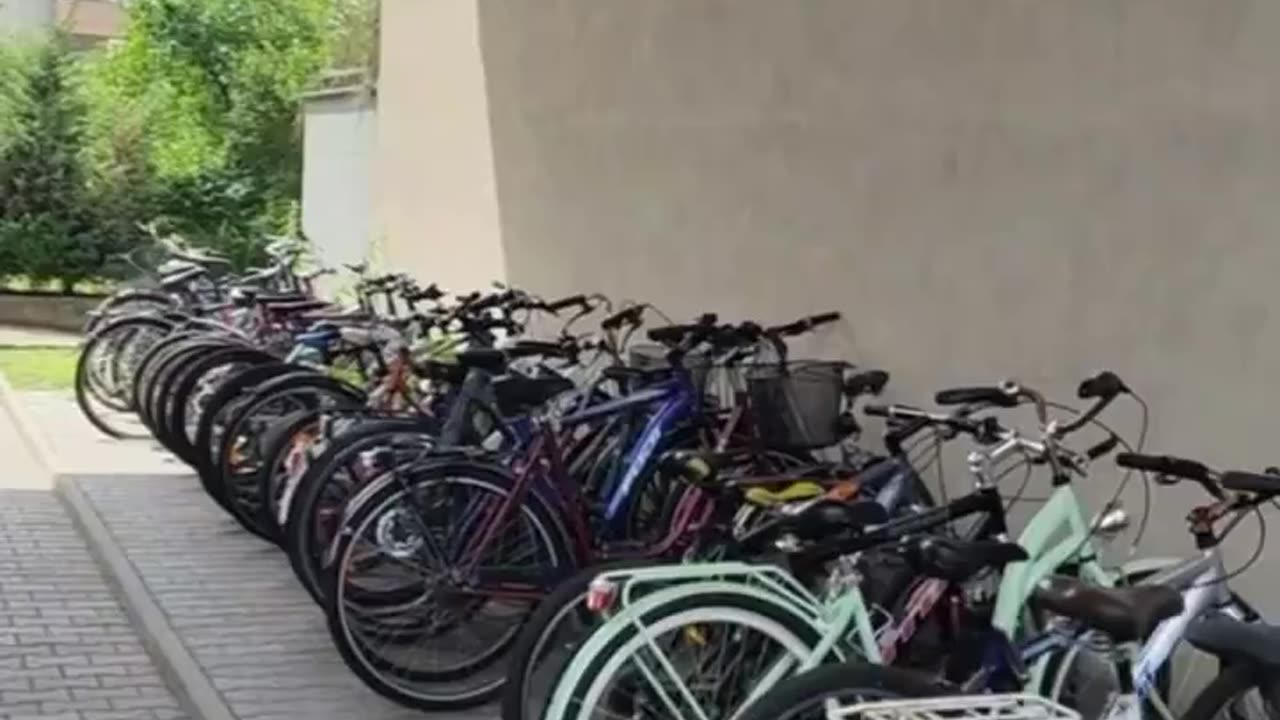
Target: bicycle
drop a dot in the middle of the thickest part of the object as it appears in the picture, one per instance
(808, 628)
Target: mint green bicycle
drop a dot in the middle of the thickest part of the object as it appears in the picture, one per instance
(765, 624)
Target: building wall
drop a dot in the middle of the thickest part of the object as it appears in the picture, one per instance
(23, 16)
(337, 174)
(88, 22)
(985, 188)
(436, 209)
(91, 21)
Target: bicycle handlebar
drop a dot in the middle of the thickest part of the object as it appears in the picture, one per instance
(628, 316)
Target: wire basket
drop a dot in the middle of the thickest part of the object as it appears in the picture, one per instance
(959, 707)
(796, 405)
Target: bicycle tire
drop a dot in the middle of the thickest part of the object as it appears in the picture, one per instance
(280, 440)
(230, 389)
(117, 304)
(1231, 683)
(168, 370)
(532, 644)
(244, 501)
(353, 651)
(301, 528)
(190, 381)
(83, 376)
(798, 696)
(145, 374)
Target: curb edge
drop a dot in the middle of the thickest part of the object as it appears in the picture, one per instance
(185, 678)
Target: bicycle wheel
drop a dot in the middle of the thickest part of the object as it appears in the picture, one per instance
(127, 302)
(818, 693)
(212, 424)
(285, 447)
(316, 505)
(1239, 692)
(193, 386)
(104, 373)
(241, 452)
(422, 609)
(546, 643)
(144, 372)
(719, 650)
(169, 372)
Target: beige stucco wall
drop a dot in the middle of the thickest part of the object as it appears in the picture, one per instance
(436, 207)
(91, 20)
(985, 187)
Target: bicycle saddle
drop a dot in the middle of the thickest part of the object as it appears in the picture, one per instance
(1126, 614)
(517, 394)
(1234, 640)
(958, 560)
(830, 517)
(487, 359)
(793, 491)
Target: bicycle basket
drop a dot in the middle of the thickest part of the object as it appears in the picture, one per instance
(796, 405)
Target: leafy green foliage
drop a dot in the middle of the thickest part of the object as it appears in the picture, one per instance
(191, 119)
(48, 228)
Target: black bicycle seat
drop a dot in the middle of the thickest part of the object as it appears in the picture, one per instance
(958, 560)
(1126, 614)
(517, 394)
(826, 517)
(487, 359)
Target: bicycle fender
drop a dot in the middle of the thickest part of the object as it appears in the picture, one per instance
(630, 616)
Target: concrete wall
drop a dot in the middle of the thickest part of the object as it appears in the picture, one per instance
(91, 21)
(984, 187)
(437, 211)
(337, 174)
(23, 16)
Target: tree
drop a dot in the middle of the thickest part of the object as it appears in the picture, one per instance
(47, 229)
(217, 83)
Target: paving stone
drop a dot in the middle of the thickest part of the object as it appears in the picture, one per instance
(236, 605)
(61, 629)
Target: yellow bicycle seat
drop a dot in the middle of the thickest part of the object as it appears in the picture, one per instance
(797, 490)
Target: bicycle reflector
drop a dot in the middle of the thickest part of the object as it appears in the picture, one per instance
(602, 593)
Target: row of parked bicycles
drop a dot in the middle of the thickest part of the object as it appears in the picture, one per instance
(626, 517)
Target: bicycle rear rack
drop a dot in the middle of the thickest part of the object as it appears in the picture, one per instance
(959, 707)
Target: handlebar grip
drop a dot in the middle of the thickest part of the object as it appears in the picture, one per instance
(568, 302)
(670, 334)
(1165, 465)
(894, 439)
(870, 382)
(804, 324)
(876, 410)
(1105, 384)
(1103, 448)
(1241, 481)
(629, 316)
(969, 395)
(530, 348)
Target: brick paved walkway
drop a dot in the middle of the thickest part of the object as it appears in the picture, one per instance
(236, 605)
(66, 648)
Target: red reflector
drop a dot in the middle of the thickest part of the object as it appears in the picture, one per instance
(601, 594)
